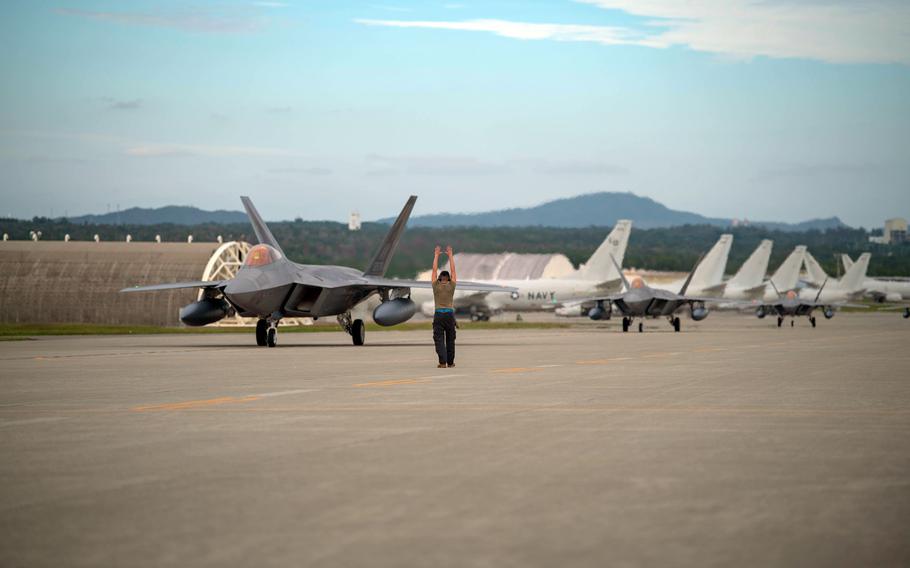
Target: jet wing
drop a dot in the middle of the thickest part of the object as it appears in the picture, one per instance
(606, 298)
(177, 286)
(461, 285)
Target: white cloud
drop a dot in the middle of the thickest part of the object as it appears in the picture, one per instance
(848, 31)
(209, 151)
(523, 30)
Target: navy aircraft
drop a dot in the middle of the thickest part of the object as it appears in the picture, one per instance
(791, 305)
(641, 301)
(269, 286)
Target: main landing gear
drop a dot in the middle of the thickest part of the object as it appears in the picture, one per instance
(674, 321)
(355, 328)
(812, 320)
(627, 323)
(267, 333)
(780, 321)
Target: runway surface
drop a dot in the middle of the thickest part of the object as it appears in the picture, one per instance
(731, 443)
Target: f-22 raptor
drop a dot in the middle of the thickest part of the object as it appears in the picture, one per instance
(268, 286)
(641, 301)
(791, 305)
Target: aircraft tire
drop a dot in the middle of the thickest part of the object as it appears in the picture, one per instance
(358, 332)
(641, 326)
(262, 327)
(625, 325)
(676, 324)
(780, 322)
(272, 337)
(792, 323)
(812, 321)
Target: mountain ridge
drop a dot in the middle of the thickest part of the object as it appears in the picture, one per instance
(600, 209)
(589, 210)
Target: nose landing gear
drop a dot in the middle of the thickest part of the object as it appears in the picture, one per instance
(262, 327)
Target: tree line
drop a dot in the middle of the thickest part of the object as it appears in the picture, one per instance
(323, 242)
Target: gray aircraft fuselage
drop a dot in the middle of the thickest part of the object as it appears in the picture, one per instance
(296, 290)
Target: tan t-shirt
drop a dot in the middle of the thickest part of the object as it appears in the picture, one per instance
(444, 294)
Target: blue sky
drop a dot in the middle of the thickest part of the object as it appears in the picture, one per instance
(776, 110)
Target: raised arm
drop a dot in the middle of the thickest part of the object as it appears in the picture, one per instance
(436, 252)
(451, 256)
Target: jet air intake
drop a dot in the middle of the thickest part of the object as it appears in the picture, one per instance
(204, 312)
(394, 311)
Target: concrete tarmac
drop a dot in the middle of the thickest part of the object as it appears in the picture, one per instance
(731, 443)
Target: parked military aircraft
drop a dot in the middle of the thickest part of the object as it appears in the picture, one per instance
(597, 276)
(269, 286)
(640, 301)
(791, 305)
(882, 289)
(749, 280)
(709, 276)
(851, 286)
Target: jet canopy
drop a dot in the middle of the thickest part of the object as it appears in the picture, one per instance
(261, 255)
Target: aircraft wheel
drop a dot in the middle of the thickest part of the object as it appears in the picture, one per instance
(780, 322)
(358, 332)
(676, 324)
(792, 323)
(272, 337)
(262, 327)
(625, 325)
(641, 326)
(812, 321)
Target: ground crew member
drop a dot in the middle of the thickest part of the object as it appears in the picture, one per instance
(444, 316)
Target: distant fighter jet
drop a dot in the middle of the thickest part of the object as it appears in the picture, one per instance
(791, 305)
(640, 301)
(270, 287)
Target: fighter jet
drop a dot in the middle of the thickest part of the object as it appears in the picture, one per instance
(791, 305)
(640, 301)
(269, 286)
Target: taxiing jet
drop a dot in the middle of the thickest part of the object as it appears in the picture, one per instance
(269, 286)
(791, 305)
(640, 301)
(597, 276)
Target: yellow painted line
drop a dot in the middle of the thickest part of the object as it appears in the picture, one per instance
(191, 404)
(518, 370)
(393, 382)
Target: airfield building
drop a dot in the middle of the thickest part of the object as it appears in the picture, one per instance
(78, 282)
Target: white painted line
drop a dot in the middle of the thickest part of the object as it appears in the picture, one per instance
(285, 393)
(27, 421)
